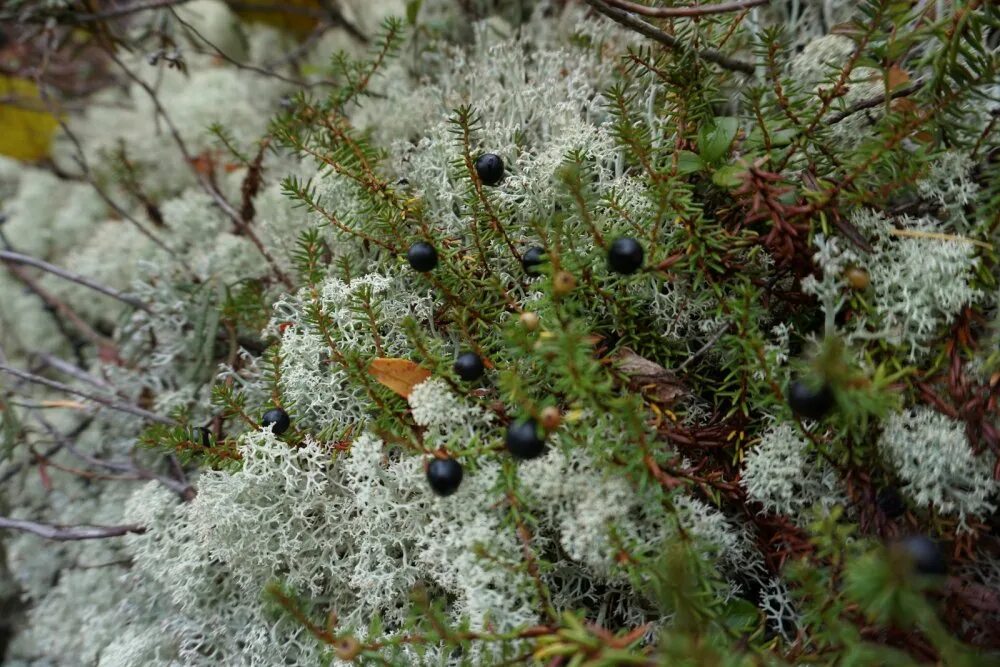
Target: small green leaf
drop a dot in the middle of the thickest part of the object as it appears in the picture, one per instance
(689, 163)
(729, 176)
(714, 139)
(412, 9)
(778, 138)
(740, 615)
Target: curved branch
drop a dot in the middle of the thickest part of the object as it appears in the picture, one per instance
(626, 19)
(18, 258)
(107, 402)
(68, 533)
(686, 12)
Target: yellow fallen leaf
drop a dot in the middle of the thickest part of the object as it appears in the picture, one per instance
(26, 128)
(299, 17)
(400, 375)
(75, 405)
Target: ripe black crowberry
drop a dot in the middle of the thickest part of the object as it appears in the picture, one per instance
(523, 441)
(277, 419)
(469, 366)
(890, 502)
(924, 553)
(807, 401)
(422, 256)
(532, 258)
(489, 167)
(444, 476)
(625, 255)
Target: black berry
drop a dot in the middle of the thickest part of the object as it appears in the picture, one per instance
(469, 366)
(890, 502)
(277, 419)
(489, 166)
(924, 553)
(422, 256)
(625, 255)
(810, 402)
(523, 441)
(532, 258)
(444, 476)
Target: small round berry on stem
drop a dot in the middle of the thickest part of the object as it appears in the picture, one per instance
(924, 554)
(808, 400)
(489, 168)
(529, 320)
(444, 476)
(422, 256)
(532, 258)
(563, 283)
(625, 255)
(469, 366)
(857, 278)
(277, 419)
(550, 418)
(523, 441)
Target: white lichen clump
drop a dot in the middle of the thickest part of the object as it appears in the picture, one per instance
(786, 477)
(920, 282)
(931, 455)
(338, 512)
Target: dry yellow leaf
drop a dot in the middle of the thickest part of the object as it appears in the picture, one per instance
(26, 128)
(299, 17)
(400, 375)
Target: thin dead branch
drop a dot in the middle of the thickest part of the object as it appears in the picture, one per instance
(18, 258)
(629, 21)
(102, 400)
(690, 11)
(69, 533)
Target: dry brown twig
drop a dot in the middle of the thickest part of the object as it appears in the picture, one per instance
(648, 30)
(68, 533)
(690, 11)
(18, 258)
(102, 400)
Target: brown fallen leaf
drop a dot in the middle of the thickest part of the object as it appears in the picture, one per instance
(400, 375)
(896, 76)
(654, 381)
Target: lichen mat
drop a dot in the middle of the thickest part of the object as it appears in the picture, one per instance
(502, 333)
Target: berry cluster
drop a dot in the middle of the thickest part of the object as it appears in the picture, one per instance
(625, 256)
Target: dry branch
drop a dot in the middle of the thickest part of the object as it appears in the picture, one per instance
(68, 533)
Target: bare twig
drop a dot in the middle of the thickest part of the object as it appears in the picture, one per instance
(77, 18)
(103, 400)
(246, 66)
(704, 348)
(69, 533)
(337, 18)
(180, 486)
(629, 21)
(61, 441)
(18, 258)
(63, 366)
(872, 103)
(939, 236)
(58, 306)
(81, 161)
(205, 182)
(686, 12)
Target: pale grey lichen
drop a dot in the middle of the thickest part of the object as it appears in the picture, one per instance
(919, 282)
(785, 477)
(937, 466)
